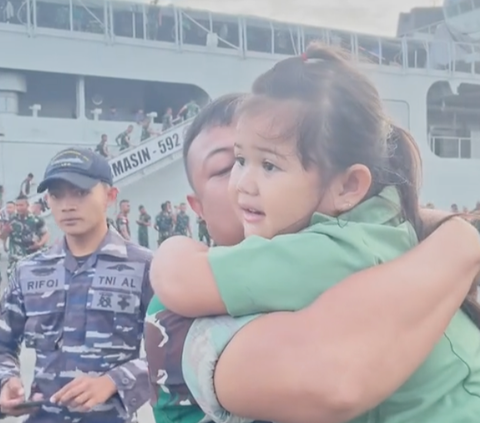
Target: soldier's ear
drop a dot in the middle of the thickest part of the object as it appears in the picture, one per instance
(112, 195)
(195, 204)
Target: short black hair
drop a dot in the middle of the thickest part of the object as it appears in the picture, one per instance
(219, 112)
(22, 197)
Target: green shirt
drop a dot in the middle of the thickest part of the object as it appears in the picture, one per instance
(289, 272)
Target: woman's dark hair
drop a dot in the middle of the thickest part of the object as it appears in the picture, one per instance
(338, 120)
(163, 207)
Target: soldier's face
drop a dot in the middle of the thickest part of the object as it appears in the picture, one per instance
(21, 207)
(79, 212)
(210, 161)
(10, 208)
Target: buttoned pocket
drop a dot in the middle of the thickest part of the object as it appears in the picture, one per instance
(113, 323)
(44, 296)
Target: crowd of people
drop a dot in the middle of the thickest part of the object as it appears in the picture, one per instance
(353, 306)
(170, 221)
(123, 140)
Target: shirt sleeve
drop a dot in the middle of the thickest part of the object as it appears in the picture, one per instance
(41, 227)
(287, 272)
(12, 324)
(209, 335)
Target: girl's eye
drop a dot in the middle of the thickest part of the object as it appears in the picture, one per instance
(269, 166)
(240, 160)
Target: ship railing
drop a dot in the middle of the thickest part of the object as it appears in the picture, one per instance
(172, 28)
(451, 147)
(176, 123)
(427, 29)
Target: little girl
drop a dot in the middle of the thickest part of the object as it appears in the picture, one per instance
(325, 186)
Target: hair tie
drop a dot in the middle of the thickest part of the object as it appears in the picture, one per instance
(304, 57)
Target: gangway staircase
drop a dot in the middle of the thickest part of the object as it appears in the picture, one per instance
(144, 159)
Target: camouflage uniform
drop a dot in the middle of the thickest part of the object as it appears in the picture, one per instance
(122, 223)
(25, 230)
(165, 333)
(164, 226)
(203, 235)
(143, 230)
(180, 378)
(182, 223)
(81, 318)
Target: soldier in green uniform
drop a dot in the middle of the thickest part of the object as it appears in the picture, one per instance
(26, 232)
(167, 120)
(164, 223)
(182, 222)
(190, 110)
(143, 222)
(123, 139)
(203, 235)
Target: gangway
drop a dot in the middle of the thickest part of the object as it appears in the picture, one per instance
(143, 159)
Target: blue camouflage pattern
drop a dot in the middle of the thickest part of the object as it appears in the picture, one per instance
(82, 318)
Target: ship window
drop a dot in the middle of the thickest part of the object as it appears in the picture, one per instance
(370, 50)
(451, 147)
(53, 15)
(195, 27)
(258, 35)
(452, 119)
(87, 16)
(285, 39)
(128, 20)
(160, 23)
(226, 29)
(315, 34)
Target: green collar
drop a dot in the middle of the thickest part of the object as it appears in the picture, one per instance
(380, 209)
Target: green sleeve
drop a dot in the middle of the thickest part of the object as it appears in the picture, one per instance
(287, 272)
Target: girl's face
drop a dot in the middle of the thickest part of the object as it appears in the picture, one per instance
(271, 191)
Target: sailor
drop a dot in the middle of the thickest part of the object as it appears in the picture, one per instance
(80, 305)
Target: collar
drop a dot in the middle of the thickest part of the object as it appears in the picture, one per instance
(379, 209)
(112, 245)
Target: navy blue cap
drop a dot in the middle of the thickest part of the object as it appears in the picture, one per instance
(80, 167)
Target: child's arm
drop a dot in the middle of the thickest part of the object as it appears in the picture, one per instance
(259, 275)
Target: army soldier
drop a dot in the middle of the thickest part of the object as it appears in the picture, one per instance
(122, 223)
(164, 223)
(203, 235)
(26, 232)
(143, 222)
(80, 305)
(182, 222)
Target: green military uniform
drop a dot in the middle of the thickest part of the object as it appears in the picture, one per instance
(122, 224)
(182, 224)
(123, 140)
(193, 109)
(143, 229)
(167, 405)
(203, 235)
(25, 230)
(164, 226)
(167, 121)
